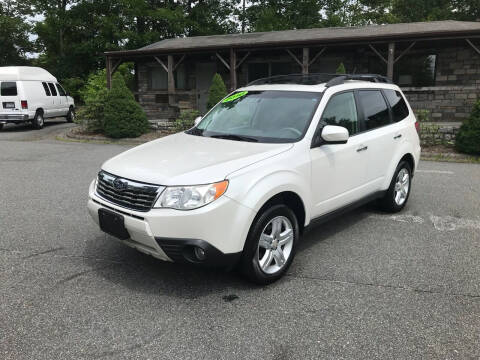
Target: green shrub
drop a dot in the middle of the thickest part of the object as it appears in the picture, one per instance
(217, 91)
(423, 115)
(341, 69)
(186, 120)
(468, 137)
(93, 95)
(123, 116)
(73, 86)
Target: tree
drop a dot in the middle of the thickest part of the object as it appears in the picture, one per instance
(216, 92)
(341, 69)
(123, 116)
(14, 34)
(468, 137)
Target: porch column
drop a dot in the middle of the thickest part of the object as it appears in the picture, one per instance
(390, 60)
(171, 81)
(109, 72)
(305, 60)
(233, 69)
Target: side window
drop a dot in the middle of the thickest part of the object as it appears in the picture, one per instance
(45, 87)
(52, 89)
(61, 92)
(342, 111)
(8, 88)
(398, 105)
(375, 109)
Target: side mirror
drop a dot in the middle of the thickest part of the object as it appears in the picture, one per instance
(331, 134)
(197, 120)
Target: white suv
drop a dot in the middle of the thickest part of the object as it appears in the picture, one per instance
(268, 161)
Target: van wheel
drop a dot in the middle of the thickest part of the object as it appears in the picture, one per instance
(71, 115)
(271, 244)
(1, 126)
(397, 194)
(38, 121)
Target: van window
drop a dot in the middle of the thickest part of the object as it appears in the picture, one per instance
(398, 105)
(45, 87)
(374, 108)
(342, 111)
(8, 89)
(61, 92)
(52, 89)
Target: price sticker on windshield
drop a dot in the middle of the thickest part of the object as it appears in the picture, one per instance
(235, 96)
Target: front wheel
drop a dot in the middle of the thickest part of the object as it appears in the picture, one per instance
(397, 194)
(271, 244)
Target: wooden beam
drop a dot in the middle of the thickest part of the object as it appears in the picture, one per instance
(109, 72)
(378, 54)
(116, 65)
(294, 57)
(171, 81)
(317, 55)
(391, 60)
(223, 61)
(161, 63)
(405, 51)
(305, 60)
(473, 46)
(233, 69)
(179, 62)
(243, 59)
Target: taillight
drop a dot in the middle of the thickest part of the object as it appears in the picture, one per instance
(417, 127)
(24, 104)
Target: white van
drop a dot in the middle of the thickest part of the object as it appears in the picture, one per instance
(32, 94)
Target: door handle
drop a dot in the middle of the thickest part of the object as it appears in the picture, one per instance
(362, 149)
(397, 136)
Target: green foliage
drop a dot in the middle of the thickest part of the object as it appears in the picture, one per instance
(73, 86)
(186, 120)
(468, 137)
(216, 92)
(423, 115)
(123, 116)
(341, 69)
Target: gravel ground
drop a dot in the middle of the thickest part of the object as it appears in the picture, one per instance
(364, 286)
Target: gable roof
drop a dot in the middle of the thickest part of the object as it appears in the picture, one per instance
(448, 28)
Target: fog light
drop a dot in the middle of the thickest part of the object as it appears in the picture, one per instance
(199, 253)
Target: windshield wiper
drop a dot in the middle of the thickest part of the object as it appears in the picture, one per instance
(234, 137)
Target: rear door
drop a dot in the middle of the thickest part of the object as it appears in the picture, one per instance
(9, 98)
(379, 136)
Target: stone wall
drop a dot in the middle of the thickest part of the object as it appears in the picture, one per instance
(432, 133)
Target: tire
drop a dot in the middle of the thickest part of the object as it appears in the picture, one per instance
(71, 115)
(264, 265)
(1, 126)
(38, 121)
(394, 201)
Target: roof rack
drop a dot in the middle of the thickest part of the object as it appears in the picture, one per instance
(319, 78)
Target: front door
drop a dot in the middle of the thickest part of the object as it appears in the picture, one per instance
(204, 75)
(339, 171)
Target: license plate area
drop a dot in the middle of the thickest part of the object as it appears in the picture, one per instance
(8, 105)
(113, 224)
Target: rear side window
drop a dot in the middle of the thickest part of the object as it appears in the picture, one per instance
(398, 105)
(52, 89)
(375, 109)
(45, 87)
(342, 111)
(61, 92)
(8, 88)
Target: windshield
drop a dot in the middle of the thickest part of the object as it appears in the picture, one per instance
(263, 116)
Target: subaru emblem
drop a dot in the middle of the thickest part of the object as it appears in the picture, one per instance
(119, 185)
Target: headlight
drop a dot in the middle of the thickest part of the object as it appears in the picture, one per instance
(190, 197)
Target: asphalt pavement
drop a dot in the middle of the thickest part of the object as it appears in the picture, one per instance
(367, 285)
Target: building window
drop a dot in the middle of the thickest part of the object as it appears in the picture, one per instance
(266, 69)
(158, 79)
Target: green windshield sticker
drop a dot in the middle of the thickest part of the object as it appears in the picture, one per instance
(235, 96)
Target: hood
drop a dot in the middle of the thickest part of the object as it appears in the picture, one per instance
(183, 159)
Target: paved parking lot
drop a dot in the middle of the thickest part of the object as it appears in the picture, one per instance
(364, 286)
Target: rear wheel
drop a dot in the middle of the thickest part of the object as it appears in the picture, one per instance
(270, 246)
(397, 194)
(71, 115)
(38, 120)
(1, 126)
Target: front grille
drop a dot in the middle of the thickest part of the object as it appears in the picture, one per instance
(127, 193)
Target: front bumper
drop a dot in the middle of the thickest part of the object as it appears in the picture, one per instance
(219, 229)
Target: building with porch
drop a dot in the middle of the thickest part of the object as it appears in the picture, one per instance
(437, 64)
